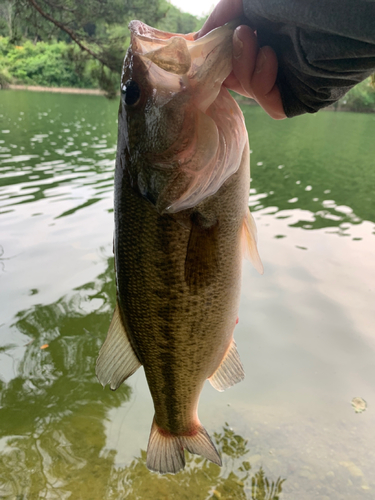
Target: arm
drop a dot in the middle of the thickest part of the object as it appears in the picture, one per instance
(323, 48)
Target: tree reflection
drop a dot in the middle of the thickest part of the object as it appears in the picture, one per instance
(200, 479)
(317, 172)
(53, 413)
(262, 489)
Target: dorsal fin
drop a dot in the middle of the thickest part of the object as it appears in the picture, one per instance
(116, 360)
(249, 241)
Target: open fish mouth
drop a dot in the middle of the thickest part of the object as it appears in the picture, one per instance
(182, 224)
(184, 78)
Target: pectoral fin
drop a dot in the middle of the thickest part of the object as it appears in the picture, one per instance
(201, 263)
(116, 360)
(230, 371)
(249, 241)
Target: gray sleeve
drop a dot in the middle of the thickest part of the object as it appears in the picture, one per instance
(324, 47)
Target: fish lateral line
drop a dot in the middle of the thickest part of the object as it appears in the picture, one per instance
(182, 162)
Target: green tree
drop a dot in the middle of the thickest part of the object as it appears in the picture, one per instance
(7, 11)
(360, 98)
(176, 21)
(97, 27)
(78, 44)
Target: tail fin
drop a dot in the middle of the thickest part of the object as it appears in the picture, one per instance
(165, 452)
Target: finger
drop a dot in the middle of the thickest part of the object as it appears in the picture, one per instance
(257, 72)
(223, 13)
(245, 53)
(264, 88)
(232, 83)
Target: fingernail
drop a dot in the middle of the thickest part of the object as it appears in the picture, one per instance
(261, 59)
(237, 45)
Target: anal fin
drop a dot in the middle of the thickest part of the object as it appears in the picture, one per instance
(116, 360)
(249, 241)
(230, 371)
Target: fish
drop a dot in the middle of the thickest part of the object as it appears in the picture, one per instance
(182, 227)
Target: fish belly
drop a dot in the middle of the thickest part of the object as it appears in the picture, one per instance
(178, 288)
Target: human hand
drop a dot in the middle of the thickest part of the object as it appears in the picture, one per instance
(254, 69)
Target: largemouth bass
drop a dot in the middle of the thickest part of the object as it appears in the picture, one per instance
(182, 225)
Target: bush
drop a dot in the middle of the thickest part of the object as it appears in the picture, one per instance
(5, 78)
(47, 64)
(62, 64)
(359, 98)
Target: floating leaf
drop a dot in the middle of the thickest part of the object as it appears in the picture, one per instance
(359, 405)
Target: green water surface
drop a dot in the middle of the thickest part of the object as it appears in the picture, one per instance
(306, 333)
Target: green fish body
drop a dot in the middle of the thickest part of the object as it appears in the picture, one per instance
(182, 225)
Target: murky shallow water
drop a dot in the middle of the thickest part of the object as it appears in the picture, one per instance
(306, 333)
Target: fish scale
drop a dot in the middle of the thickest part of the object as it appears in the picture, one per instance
(181, 217)
(161, 319)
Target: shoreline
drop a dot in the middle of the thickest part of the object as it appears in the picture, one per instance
(59, 90)
(73, 90)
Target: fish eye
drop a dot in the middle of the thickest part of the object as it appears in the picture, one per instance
(131, 92)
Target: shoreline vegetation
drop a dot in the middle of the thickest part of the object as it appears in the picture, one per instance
(50, 43)
(56, 90)
(341, 105)
(78, 47)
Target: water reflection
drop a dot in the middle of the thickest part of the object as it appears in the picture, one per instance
(78, 469)
(305, 334)
(52, 412)
(76, 155)
(53, 439)
(327, 171)
(200, 479)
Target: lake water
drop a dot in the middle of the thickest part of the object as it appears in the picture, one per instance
(306, 331)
